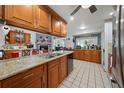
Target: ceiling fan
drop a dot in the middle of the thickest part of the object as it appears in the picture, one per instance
(92, 8)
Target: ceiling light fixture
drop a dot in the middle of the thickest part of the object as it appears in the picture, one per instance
(111, 13)
(82, 27)
(71, 18)
(85, 6)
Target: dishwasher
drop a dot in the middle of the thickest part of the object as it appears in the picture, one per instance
(70, 63)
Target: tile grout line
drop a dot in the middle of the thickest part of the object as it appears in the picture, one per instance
(82, 68)
(70, 82)
(82, 75)
(101, 77)
(107, 77)
(94, 75)
(88, 76)
(75, 77)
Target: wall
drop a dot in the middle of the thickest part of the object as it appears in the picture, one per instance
(103, 47)
(57, 40)
(108, 41)
(33, 34)
(86, 33)
(91, 40)
(2, 40)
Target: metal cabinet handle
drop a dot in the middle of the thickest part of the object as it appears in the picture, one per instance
(30, 75)
(44, 81)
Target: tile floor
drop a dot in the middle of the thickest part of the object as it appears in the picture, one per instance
(86, 75)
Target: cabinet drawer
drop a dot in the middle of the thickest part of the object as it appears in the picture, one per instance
(53, 63)
(24, 78)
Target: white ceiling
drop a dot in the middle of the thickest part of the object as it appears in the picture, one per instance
(94, 23)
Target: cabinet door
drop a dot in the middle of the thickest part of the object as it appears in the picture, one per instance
(0, 84)
(63, 29)
(20, 15)
(0, 11)
(44, 78)
(27, 38)
(12, 37)
(88, 55)
(96, 56)
(43, 19)
(56, 26)
(81, 54)
(53, 75)
(75, 54)
(63, 68)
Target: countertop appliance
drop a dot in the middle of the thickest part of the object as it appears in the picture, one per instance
(118, 46)
(70, 63)
(2, 53)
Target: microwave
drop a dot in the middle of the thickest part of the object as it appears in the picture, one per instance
(2, 53)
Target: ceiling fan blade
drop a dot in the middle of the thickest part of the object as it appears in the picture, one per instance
(92, 8)
(76, 9)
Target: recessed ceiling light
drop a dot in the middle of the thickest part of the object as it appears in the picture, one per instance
(85, 6)
(82, 27)
(71, 18)
(111, 13)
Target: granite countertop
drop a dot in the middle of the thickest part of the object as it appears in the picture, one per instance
(12, 67)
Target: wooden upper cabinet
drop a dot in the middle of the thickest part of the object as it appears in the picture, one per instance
(63, 29)
(43, 19)
(56, 26)
(1, 11)
(20, 15)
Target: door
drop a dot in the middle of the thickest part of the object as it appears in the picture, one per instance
(43, 19)
(56, 26)
(20, 15)
(63, 29)
(53, 76)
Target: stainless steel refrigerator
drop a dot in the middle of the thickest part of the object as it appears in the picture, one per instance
(118, 46)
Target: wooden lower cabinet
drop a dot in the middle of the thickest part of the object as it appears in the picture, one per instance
(53, 73)
(76, 54)
(28, 79)
(0, 84)
(46, 75)
(87, 55)
(63, 68)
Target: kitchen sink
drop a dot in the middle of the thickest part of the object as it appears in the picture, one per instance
(50, 55)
